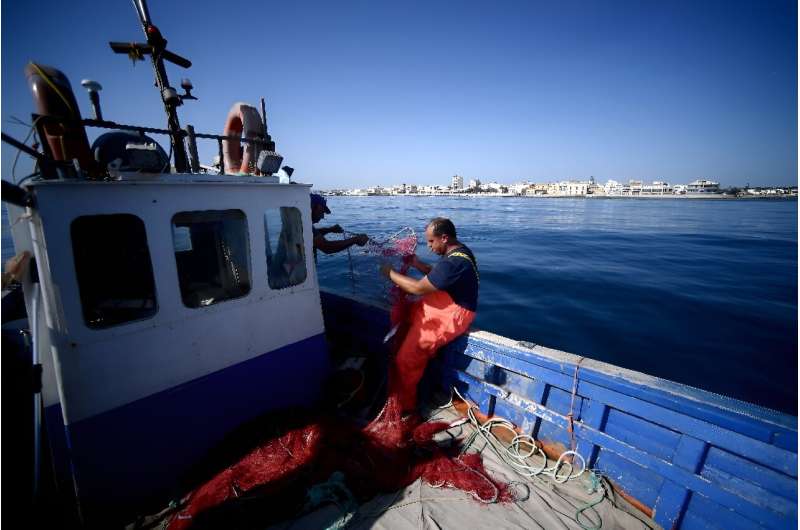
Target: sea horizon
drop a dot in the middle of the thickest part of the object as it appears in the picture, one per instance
(702, 293)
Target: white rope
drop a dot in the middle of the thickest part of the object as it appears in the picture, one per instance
(521, 448)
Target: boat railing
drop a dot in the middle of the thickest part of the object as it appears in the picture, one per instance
(50, 169)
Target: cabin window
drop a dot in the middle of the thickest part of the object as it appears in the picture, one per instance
(212, 255)
(113, 269)
(286, 258)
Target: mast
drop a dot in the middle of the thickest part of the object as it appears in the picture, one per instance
(156, 47)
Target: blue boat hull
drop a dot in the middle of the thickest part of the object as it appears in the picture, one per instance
(156, 441)
(690, 458)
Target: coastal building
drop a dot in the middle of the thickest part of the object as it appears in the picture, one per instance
(568, 188)
(491, 187)
(578, 187)
(612, 187)
(474, 183)
(703, 186)
(457, 182)
(557, 188)
(658, 187)
(518, 188)
(595, 189)
(536, 189)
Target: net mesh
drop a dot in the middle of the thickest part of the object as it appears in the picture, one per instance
(401, 243)
(363, 264)
(389, 454)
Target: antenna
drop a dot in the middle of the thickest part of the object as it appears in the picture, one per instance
(143, 12)
(156, 47)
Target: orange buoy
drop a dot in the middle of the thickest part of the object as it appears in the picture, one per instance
(66, 135)
(243, 119)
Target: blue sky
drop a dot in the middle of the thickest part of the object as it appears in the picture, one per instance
(362, 93)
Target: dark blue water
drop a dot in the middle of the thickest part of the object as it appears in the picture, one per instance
(703, 292)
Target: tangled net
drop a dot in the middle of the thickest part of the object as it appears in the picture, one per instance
(402, 243)
(396, 249)
(389, 453)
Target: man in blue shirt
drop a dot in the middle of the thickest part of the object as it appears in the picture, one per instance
(449, 292)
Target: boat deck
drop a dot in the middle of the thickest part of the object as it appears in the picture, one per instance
(541, 502)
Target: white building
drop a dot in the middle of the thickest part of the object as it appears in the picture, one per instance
(578, 187)
(569, 188)
(457, 182)
(658, 187)
(612, 187)
(518, 188)
(703, 186)
(474, 183)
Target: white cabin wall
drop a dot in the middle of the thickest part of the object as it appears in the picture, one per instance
(101, 369)
(21, 226)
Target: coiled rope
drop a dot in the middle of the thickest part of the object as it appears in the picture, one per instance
(522, 448)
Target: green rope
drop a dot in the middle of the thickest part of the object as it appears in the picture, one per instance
(334, 491)
(594, 484)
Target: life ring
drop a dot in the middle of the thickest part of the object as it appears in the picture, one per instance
(66, 135)
(242, 119)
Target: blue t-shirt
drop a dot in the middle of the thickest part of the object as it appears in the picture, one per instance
(457, 274)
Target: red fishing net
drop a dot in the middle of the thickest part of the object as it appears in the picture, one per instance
(391, 452)
(401, 243)
(269, 463)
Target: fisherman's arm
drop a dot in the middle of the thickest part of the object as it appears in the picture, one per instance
(420, 265)
(335, 229)
(331, 247)
(407, 283)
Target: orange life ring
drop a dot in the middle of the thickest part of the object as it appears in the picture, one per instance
(54, 98)
(242, 119)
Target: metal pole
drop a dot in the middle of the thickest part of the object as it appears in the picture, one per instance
(158, 44)
(194, 159)
(264, 116)
(144, 13)
(37, 396)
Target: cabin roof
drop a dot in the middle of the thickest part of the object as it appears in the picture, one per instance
(133, 178)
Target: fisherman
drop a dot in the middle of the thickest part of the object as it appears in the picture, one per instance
(449, 292)
(319, 207)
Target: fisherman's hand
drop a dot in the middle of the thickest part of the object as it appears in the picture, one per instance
(361, 239)
(335, 229)
(386, 269)
(15, 268)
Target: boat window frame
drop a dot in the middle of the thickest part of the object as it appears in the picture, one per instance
(79, 270)
(246, 263)
(268, 254)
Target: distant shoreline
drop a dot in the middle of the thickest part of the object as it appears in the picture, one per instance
(709, 196)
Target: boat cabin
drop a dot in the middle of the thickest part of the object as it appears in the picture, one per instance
(171, 308)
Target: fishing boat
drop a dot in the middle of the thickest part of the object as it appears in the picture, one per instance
(169, 305)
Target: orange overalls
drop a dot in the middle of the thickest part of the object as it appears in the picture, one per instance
(433, 321)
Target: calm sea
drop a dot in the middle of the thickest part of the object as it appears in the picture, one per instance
(702, 292)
